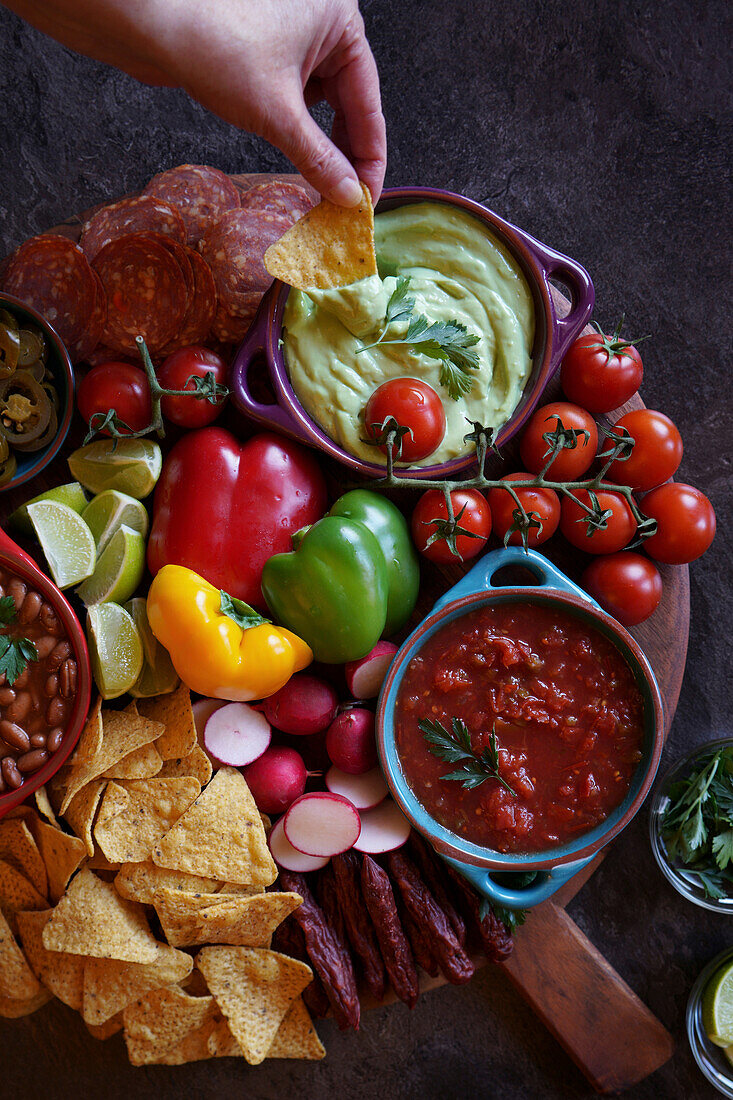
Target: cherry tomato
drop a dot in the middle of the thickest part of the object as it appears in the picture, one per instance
(627, 585)
(190, 412)
(601, 372)
(569, 464)
(620, 525)
(475, 517)
(414, 405)
(543, 503)
(685, 523)
(657, 450)
(118, 386)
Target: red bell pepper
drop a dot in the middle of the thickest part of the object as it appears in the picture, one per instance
(222, 507)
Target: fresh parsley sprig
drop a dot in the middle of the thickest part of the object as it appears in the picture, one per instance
(697, 827)
(15, 653)
(454, 746)
(448, 341)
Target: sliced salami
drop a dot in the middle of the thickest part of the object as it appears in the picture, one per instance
(52, 274)
(89, 339)
(234, 249)
(199, 316)
(141, 214)
(146, 292)
(278, 197)
(201, 194)
(228, 329)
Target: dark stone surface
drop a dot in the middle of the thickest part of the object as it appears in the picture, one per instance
(600, 128)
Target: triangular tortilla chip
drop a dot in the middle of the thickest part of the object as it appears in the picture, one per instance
(17, 980)
(220, 835)
(109, 985)
(254, 989)
(12, 1009)
(17, 893)
(59, 971)
(178, 737)
(296, 1036)
(196, 764)
(81, 810)
(18, 847)
(43, 803)
(135, 814)
(329, 246)
(107, 1029)
(139, 882)
(189, 919)
(161, 1020)
(142, 763)
(92, 919)
(61, 853)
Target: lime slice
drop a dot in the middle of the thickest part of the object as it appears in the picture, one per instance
(115, 649)
(66, 541)
(717, 1007)
(158, 676)
(71, 494)
(119, 569)
(131, 465)
(111, 510)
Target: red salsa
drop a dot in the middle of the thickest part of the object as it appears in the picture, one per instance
(567, 714)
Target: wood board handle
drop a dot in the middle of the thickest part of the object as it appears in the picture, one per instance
(608, 1032)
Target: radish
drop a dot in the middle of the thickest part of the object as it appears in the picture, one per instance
(322, 824)
(364, 678)
(202, 711)
(235, 734)
(276, 779)
(382, 829)
(285, 855)
(365, 791)
(350, 741)
(305, 705)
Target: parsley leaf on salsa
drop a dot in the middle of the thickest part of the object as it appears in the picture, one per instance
(455, 748)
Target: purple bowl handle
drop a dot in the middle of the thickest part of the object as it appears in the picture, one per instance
(254, 344)
(581, 289)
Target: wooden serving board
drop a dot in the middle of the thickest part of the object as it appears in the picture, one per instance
(555, 967)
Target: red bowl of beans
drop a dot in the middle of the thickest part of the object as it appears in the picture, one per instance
(520, 728)
(43, 709)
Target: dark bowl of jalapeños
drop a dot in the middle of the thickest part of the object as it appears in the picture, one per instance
(36, 393)
(44, 701)
(553, 334)
(520, 728)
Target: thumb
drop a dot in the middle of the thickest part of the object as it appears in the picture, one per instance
(315, 156)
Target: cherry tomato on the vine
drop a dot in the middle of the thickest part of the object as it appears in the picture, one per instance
(685, 523)
(471, 513)
(570, 463)
(619, 529)
(414, 405)
(626, 584)
(118, 386)
(601, 372)
(541, 505)
(190, 412)
(657, 450)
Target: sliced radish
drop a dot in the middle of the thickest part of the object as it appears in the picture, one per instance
(285, 855)
(364, 678)
(236, 734)
(364, 791)
(322, 824)
(202, 711)
(382, 829)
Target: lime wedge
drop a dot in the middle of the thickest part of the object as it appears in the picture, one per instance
(131, 465)
(111, 510)
(158, 676)
(115, 649)
(66, 541)
(119, 569)
(717, 1007)
(71, 494)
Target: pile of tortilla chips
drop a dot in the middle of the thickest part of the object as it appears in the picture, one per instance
(154, 918)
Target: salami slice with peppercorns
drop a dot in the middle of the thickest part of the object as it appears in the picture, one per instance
(199, 317)
(140, 214)
(87, 343)
(201, 194)
(278, 197)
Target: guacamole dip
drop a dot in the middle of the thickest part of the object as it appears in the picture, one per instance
(458, 271)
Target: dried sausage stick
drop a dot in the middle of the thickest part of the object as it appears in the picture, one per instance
(393, 943)
(432, 868)
(359, 928)
(496, 939)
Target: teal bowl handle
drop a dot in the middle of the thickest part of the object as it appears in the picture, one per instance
(479, 578)
(543, 887)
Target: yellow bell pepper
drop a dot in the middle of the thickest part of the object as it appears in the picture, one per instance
(220, 646)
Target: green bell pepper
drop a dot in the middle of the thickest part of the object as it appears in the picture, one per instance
(389, 526)
(331, 590)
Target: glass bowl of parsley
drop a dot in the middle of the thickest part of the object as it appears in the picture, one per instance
(691, 825)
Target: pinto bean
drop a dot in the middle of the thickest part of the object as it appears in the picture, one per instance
(31, 608)
(7, 695)
(19, 709)
(14, 736)
(51, 687)
(55, 711)
(60, 653)
(68, 678)
(10, 773)
(31, 761)
(17, 590)
(54, 739)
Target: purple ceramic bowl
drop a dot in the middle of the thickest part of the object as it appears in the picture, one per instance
(553, 336)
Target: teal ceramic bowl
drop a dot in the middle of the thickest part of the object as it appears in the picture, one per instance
(31, 463)
(491, 872)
